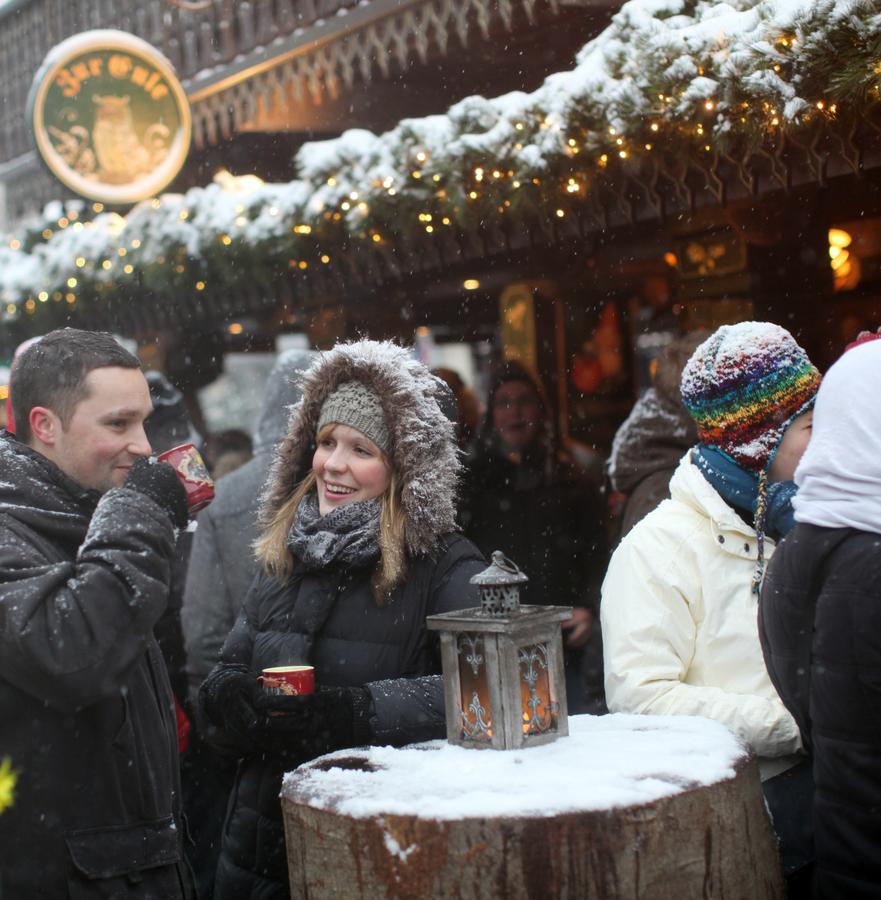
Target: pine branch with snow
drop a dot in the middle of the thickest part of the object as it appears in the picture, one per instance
(671, 83)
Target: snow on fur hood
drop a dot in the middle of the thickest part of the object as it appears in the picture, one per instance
(423, 451)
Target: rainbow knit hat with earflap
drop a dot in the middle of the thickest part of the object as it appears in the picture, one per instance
(744, 385)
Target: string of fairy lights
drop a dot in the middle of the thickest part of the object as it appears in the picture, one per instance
(431, 195)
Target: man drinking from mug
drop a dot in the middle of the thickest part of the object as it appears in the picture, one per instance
(87, 529)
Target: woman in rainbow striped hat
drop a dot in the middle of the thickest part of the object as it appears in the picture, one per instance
(679, 601)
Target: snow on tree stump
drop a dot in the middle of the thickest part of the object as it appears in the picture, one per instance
(626, 806)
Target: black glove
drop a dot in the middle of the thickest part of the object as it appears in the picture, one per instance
(228, 699)
(159, 482)
(312, 724)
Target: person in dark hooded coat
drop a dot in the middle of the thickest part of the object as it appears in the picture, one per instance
(820, 624)
(525, 495)
(221, 568)
(359, 545)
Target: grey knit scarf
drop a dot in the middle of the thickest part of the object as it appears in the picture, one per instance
(348, 535)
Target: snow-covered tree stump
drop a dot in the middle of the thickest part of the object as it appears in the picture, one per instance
(626, 806)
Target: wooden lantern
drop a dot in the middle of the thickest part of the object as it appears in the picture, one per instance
(504, 686)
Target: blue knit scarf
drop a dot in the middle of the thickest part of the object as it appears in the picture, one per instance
(739, 488)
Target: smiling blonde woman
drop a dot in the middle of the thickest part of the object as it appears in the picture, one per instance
(359, 545)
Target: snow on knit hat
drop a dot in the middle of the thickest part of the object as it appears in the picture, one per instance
(355, 405)
(744, 385)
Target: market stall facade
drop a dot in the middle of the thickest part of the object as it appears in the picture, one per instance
(697, 165)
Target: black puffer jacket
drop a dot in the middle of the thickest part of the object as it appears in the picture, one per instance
(87, 714)
(330, 619)
(820, 627)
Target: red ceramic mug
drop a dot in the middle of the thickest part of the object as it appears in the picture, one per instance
(193, 475)
(291, 681)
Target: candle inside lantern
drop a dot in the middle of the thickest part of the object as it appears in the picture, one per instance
(536, 700)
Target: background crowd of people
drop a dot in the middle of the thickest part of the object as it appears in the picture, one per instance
(369, 494)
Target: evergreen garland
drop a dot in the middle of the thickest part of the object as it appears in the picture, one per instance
(669, 84)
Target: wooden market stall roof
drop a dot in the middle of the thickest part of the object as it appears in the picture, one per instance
(284, 67)
(661, 113)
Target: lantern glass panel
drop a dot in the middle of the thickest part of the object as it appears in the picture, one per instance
(476, 710)
(538, 707)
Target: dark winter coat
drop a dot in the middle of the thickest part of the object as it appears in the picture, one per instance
(87, 710)
(330, 618)
(819, 622)
(385, 648)
(548, 519)
(222, 564)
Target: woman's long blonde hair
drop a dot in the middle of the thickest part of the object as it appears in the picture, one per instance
(271, 548)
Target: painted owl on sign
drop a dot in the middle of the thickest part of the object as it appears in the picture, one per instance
(122, 157)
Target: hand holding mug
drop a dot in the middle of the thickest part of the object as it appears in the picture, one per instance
(193, 475)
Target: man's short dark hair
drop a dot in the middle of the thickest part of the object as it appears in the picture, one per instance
(52, 373)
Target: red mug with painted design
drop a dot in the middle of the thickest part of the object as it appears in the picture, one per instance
(289, 681)
(193, 474)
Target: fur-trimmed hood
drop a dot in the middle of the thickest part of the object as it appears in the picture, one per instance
(423, 450)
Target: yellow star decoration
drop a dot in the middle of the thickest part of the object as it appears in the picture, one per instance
(8, 777)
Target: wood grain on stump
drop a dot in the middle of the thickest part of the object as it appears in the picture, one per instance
(706, 841)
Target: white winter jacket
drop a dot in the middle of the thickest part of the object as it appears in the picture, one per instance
(679, 620)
